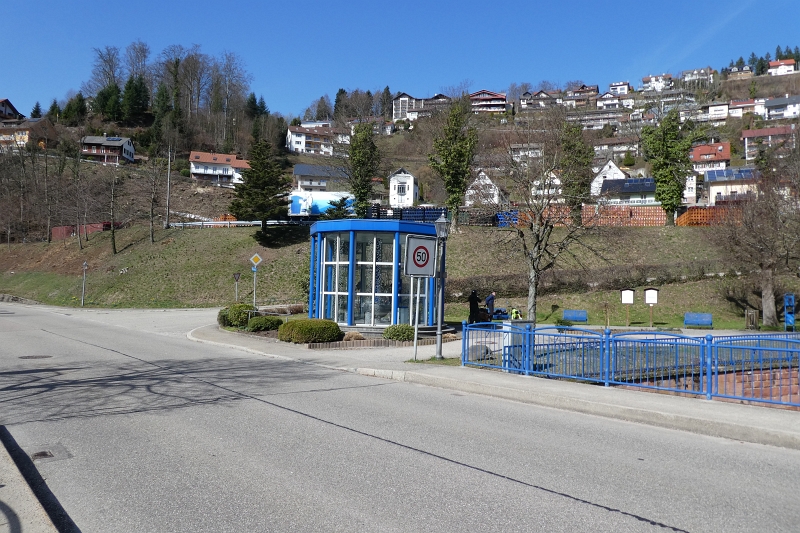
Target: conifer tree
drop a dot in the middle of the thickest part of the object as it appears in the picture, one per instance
(264, 195)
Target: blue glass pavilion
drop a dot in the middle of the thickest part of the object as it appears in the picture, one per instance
(356, 273)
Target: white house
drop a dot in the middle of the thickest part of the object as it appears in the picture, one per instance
(539, 100)
(403, 189)
(609, 171)
(488, 102)
(630, 191)
(788, 107)
(616, 147)
(610, 100)
(484, 191)
(689, 196)
(657, 83)
(7, 109)
(620, 87)
(781, 67)
(316, 140)
(738, 108)
(730, 184)
(702, 76)
(222, 170)
(713, 156)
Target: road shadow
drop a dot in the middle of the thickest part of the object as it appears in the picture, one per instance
(101, 389)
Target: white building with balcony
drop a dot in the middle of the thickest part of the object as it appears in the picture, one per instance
(403, 189)
(221, 170)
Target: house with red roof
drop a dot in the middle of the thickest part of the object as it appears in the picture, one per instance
(781, 67)
(780, 136)
(488, 102)
(713, 156)
(221, 170)
(315, 140)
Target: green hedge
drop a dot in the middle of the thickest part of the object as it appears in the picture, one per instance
(264, 323)
(399, 332)
(238, 314)
(222, 318)
(310, 330)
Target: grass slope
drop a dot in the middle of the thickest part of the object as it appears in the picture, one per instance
(194, 268)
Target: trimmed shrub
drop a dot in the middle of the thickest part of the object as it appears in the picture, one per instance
(222, 318)
(399, 332)
(238, 314)
(353, 336)
(310, 330)
(264, 323)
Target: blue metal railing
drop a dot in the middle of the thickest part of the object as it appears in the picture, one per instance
(758, 368)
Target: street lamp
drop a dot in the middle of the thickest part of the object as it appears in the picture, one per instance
(83, 287)
(441, 237)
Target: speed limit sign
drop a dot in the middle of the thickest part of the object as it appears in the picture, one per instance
(420, 257)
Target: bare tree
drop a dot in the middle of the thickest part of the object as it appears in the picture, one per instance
(539, 169)
(106, 70)
(137, 57)
(762, 232)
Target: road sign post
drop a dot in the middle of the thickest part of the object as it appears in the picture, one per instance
(420, 262)
(256, 260)
(236, 276)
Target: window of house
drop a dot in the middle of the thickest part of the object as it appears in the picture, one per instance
(401, 189)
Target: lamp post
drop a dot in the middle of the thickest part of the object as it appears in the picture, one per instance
(441, 237)
(83, 287)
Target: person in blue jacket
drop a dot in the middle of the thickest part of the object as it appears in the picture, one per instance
(490, 304)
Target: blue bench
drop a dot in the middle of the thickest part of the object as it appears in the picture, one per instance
(698, 319)
(575, 315)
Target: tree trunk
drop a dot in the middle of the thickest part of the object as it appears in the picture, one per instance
(670, 218)
(769, 314)
(533, 289)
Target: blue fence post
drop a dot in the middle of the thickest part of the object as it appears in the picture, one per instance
(464, 334)
(526, 349)
(606, 357)
(709, 342)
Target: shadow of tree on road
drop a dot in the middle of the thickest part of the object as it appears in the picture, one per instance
(61, 392)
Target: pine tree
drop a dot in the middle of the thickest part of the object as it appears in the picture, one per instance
(36, 112)
(251, 106)
(54, 112)
(386, 104)
(340, 104)
(135, 99)
(752, 60)
(263, 110)
(264, 195)
(75, 111)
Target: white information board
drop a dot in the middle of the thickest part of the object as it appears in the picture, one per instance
(420, 257)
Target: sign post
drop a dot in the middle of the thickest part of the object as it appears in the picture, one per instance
(420, 262)
(627, 299)
(236, 276)
(83, 287)
(256, 260)
(651, 298)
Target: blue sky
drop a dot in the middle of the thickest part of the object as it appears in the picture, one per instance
(298, 51)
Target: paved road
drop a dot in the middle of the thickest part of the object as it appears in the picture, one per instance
(152, 432)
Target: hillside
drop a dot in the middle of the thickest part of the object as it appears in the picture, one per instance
(194, 267)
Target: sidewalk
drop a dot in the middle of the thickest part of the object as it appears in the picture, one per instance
(760, 425)
(20, 510)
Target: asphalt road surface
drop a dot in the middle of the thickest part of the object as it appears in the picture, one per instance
(150, 432)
